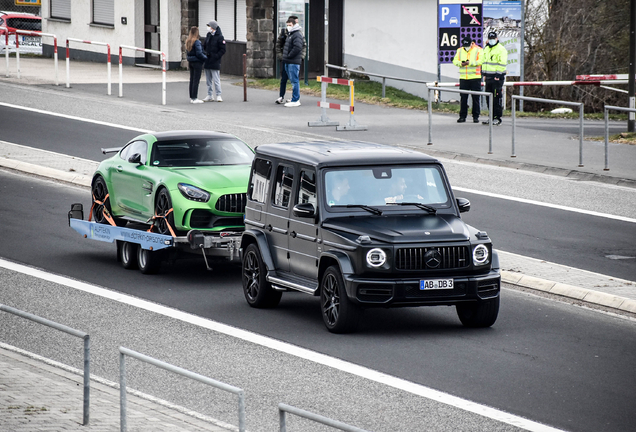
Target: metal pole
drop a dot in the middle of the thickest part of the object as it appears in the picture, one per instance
(68, 67)
(631, 123)
(307, 42)
(57, 80)
(490, 106)
(581, 112)
(87, 379)
(606, 115)
(17, 53)
(122, 392)
(522, 53)
(109, 71)
(430, 117)
(121, 75)
(244, 77)
(6, 51)
(163, 78)
(241, 407)
(383, 87)
(326, 56)
(514, 124)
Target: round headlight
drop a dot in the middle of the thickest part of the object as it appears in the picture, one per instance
(480, 255)
(376, 257)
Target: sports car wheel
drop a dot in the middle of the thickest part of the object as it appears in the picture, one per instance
(163, 204)
(478, 314)
(149, 261)
(99, 193)
(339, 314)
(258, 292)
(128, 255)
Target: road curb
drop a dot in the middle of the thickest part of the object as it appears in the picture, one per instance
(570, 291)
(51, 173)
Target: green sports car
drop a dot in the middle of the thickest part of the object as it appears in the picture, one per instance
(178, 181)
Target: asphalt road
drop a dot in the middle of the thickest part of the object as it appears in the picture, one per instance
(543, 360)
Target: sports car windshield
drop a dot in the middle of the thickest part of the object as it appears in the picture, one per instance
(201, 152)
(386, 186)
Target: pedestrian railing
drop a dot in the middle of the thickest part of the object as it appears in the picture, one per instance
(323, 104)
(552, 101)
(283, 409)
(470, 92)
(68, 59)
(606, 110)
(72, 332)
(149, 51)
(123, 352)
(6, 47)
(33, 33)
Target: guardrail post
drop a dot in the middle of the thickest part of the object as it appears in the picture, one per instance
(68, 66)
(121, 75)
(606, 117)
(383, 87)
(490, 108)
(87, 378)
(163, 69)
(430, 117)
(581, 112)
(122, 392)
(17, 53)
(163, 78)
(514, 123)
(282, 420)
(109, 68)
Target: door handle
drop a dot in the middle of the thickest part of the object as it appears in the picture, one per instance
(120, 168)
(293, 234)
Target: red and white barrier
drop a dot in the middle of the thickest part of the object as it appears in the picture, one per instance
(324, 105)
(34, 33)
(163, 69)
(68, 58)
(595, 82)
(6, 47)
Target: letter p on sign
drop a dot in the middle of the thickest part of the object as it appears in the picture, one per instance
(445, 12)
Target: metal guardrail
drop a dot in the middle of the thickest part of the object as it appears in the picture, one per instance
(552, 101)
(284, 408)
(123, 352)
(68, 58)
(606, 110)
(149, 51)
(72, 332)
(384, 77)
(480, 93)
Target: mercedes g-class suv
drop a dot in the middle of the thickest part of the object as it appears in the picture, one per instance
(363, 225)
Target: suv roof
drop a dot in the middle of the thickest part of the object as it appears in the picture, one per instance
(325, 153)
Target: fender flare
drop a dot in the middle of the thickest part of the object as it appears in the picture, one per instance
(343, 260)
(495, 261)
(253, 236)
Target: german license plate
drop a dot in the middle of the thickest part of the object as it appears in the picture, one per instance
(31, 41)
(436, 284)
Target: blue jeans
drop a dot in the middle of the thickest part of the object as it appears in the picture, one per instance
(283, 80)
(293, 70)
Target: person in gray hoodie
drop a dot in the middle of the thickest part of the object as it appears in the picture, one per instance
(214, 47)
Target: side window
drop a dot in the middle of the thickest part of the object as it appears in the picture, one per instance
(282, 190)
(140, 147)
(307, 189)
(259, 183)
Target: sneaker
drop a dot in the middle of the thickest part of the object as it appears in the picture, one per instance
(196, 101)
(280, 100)
(486, 122)
(208, 98)
(496, 121)
(219, 99)
(292, 104)
(475, 120)
(461, 120)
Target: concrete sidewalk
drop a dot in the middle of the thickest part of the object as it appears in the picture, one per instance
(37, 394)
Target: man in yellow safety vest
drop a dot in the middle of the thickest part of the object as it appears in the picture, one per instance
(494, 71)
(468, 59)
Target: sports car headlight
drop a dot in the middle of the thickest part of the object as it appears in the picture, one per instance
(376, 257)
(193, 193)
(480, 255)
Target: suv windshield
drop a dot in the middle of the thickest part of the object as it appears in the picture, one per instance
(201, 152)
(386, 185)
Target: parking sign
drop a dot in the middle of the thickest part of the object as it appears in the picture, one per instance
(456, 20)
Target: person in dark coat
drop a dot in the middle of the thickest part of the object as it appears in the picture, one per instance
(292, 57)
(280, 46)
(196, 57)
(214, 47)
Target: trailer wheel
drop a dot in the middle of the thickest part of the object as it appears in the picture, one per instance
(149, 261)
(128, 255)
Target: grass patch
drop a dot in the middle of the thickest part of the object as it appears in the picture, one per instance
(621, 138)
(371, 92)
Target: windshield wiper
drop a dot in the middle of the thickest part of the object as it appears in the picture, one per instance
(370, 209)
(419, 205)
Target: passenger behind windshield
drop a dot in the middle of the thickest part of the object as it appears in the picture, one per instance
(338, 190)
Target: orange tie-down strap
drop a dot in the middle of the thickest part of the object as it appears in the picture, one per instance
(156, 216)
(105, 211)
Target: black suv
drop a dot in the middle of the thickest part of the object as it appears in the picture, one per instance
(363, 225)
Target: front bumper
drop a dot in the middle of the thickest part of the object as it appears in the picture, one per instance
(407, 292)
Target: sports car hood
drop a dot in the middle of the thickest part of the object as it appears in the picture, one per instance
(212, 178)
(401, 228)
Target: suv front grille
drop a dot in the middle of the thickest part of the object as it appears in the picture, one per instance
(432, 258)
(232, 203)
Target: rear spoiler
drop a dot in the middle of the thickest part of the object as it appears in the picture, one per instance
(111, 150)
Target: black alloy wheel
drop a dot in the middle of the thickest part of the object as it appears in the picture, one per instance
(99, 193)
(163, 204)
(258, 292)
(339, 314)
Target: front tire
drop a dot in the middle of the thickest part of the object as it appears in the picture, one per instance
(339, 314)
(149, 261)
(258, 292)
(163, 204)
(478, 314)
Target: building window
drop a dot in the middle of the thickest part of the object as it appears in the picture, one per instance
(231, 15)
(61, 9)
(104, 12)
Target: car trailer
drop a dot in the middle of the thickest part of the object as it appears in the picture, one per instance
(138, 247)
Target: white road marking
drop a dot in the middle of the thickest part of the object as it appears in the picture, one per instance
(543, 204)
(286, 348)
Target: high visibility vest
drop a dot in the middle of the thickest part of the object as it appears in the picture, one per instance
(475, 57)
(495, 60)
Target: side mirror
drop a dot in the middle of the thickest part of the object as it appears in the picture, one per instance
(305, 210)
(463, 204)
(136, 159)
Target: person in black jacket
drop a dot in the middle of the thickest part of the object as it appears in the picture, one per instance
(214, 47)
(196, 57)
(280, 46)
(292, 57)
